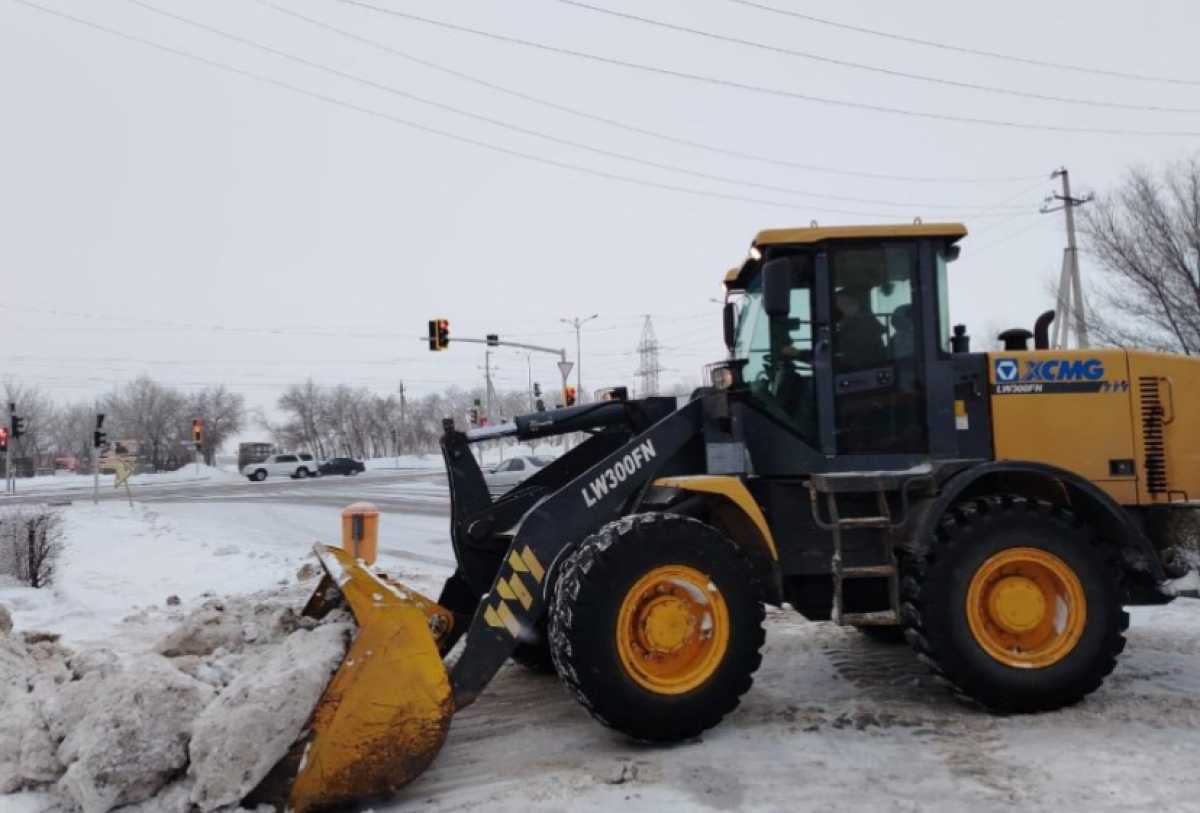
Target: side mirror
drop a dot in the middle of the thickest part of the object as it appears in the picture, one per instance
(777, 287)
(728, 316)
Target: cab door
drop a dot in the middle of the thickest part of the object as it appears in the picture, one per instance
(870, 353)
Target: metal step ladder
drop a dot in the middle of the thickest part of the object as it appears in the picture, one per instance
(836, 524)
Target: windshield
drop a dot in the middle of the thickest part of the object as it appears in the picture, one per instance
(748, 314)
(778, 352)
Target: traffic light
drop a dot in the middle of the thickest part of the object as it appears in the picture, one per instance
(197, 431)
(473, 414)
(569, 394)
(537, 390)
(493, 339)
(18, 426)
(439, 334)
(99, 438)
(3, 438)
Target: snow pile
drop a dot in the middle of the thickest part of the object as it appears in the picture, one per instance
(252, 724)
(133, 737)
(194, 725)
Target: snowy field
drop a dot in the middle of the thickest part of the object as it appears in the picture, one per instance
(833, 722)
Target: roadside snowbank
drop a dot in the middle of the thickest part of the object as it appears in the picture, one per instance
(66, 481)
(195, 724)
(235, 677)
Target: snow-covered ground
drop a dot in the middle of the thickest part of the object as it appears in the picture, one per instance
(833, 722)
(121, 564)
(66, 481)
(410, 462)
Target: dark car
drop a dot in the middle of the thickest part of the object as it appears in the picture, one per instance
(342, 465)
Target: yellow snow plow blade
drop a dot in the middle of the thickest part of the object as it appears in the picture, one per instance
(386, 712)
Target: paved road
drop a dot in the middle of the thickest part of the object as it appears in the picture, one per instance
(390, 491)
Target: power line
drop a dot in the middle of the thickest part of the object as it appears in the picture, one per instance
(761, 89)
(162, 324)
(539, 133)
(975, 251)
(845, 63)
(669, 138)
(573, 167)
(1041, 63)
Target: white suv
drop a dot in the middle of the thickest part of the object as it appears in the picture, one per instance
(293, 465)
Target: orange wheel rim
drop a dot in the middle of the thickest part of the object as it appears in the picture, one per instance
(1026, 608)
(672, 629)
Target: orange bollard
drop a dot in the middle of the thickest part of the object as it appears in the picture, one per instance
(360, 531)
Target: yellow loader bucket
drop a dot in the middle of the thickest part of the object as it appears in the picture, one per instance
(385, 714)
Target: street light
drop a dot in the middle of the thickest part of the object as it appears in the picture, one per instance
(578, 323)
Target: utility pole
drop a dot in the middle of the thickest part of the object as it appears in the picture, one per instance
(578, 324)
(1071, 315)
(487, 385)
(10, 479)
(403, 425)
(529, 364)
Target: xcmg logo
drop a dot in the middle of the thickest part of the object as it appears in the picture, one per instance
(1016, 376)
(1007, 370)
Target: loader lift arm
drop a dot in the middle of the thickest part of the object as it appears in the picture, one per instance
(584, 498)
(480, 526)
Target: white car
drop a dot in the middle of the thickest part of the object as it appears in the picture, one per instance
(512, 471)
(295, 465)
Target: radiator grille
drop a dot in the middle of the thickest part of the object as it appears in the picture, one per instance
(1153, 442)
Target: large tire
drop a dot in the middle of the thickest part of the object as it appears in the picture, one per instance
(301, 473)
(690, 593)
(260, 474)
(967, 605)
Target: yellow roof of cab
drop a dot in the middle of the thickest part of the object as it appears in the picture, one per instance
(815, 234)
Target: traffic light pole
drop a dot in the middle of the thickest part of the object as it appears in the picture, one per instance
(564, 366)
(558, 351)
(98, 438)
(10, 481)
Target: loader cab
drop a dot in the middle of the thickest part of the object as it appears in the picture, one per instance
(842, 339)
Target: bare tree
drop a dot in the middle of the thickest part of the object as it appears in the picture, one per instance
(145, 411)
(71, 431)
(31, 540)
(35, 406)
(1145, 235)
(303, 405)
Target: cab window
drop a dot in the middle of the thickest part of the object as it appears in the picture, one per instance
(878, 391)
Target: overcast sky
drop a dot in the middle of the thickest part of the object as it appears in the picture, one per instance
(162, 216)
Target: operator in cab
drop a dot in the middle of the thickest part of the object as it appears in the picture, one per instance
(858, 335)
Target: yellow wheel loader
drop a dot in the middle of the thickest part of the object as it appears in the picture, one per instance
(852, 458)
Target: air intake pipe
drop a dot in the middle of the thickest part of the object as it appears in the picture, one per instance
(1041, 331)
